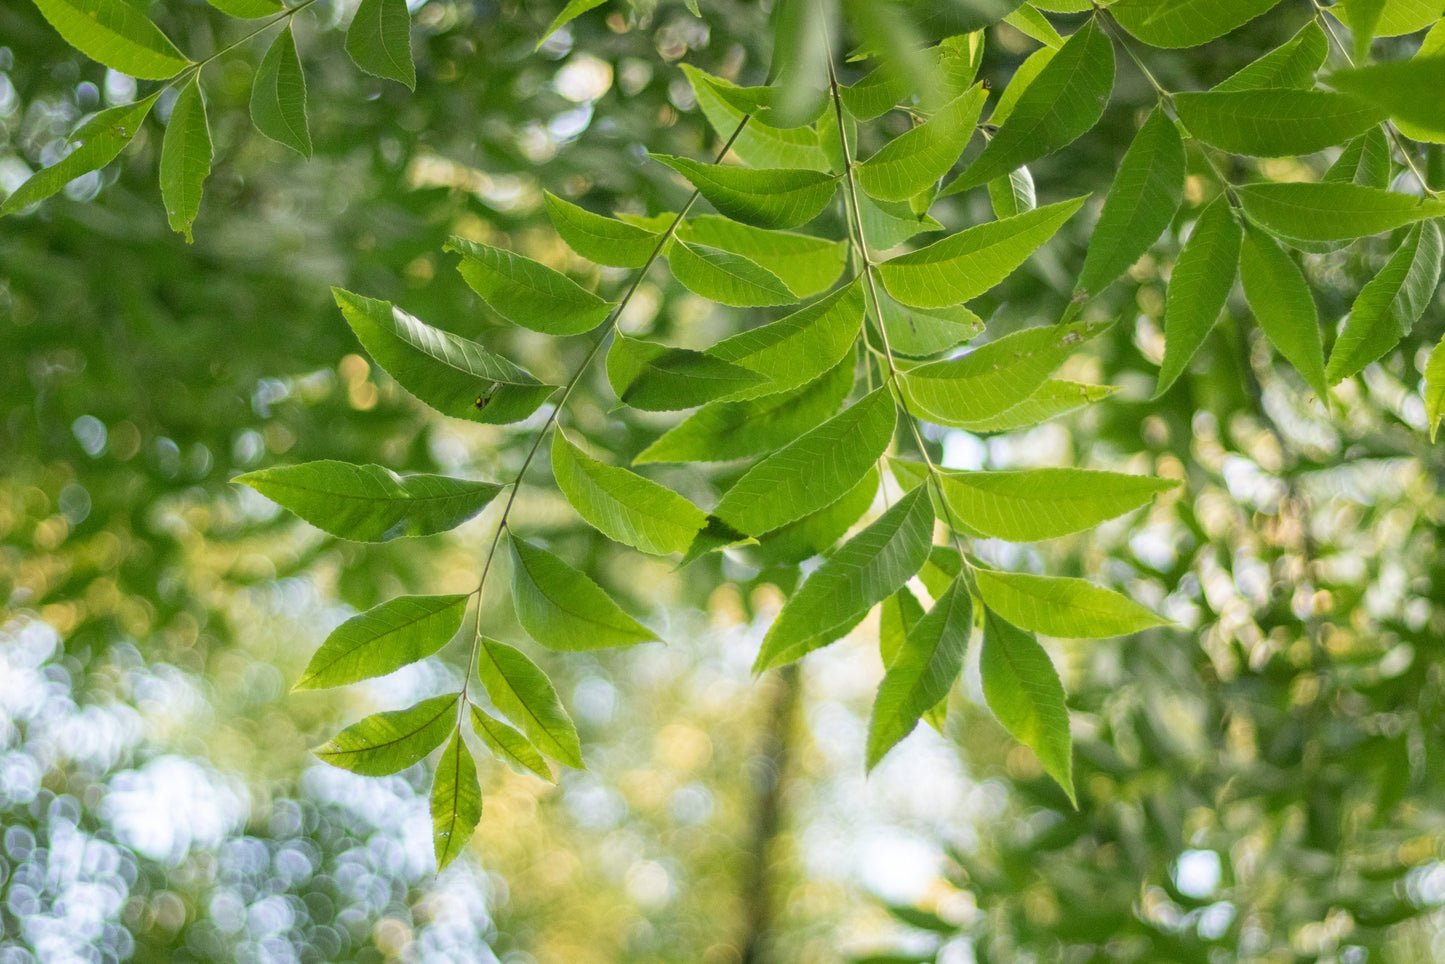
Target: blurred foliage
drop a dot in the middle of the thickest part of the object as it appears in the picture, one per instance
(1260, 785)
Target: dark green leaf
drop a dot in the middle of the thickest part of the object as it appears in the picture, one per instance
(456, 801)
(1198, 287)
(623, 505)
(185, 159)
(383, 639)
(656, 378)
(278, 95)
(1023, 691)
(390, 742)
(116, 34)
(379, 40)
(519, 688)
(562, 609)
(526, 292)
(369, 503)
(1281, 301)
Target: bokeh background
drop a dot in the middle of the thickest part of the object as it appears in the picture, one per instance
(1261, 783)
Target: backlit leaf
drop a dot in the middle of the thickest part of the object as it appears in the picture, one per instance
(518, 688)
(725, 277)
(919, 332)
(1390, 304)
(97, 142)
(1184, 23)
(1364, 161)
(1028, 21)
(247, 9)
(573, 10)
(1292, 64)
(456, 801)
(1409, 90)
(864, 571)
(1275, 123)
(966, 264)
(455, 376)
(379, 40)
(1062, 607)
(758, 146)
(1332, 212)
(383, 639)
(1202, 277)
(510, 746)
(773, 198)
(1390, 18)
(185, 159)
(916, 159)
(923, 672)
(386, 743)
(116, 34)
(1012, 193)
(278, 95)
(812, 471)
(897, 616)
(1065, 100)
(1141, 203)
(599, 239)
(1023, 690)
(1434, 386)
(806, 265)
(563, 609)
(526, 292)
(796, 349)
(1053, 398)
(623, 505)
(817, 532)
(1281, 301)
(656, 378)
(369, 503)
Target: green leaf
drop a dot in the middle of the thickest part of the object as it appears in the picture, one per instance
(878, 92)
(510, 746)
(916, 159)
(812, 471)
(1332, 212)
(965, 265)
(796, 349)
(98, 141)
(383, 639)
(369, 503)
(943, 565)
(1387, 18)
(776, 198)
(456, 801)
(814, 534)
(562, 609)
(387, 743)
(720, 431)
(1025, 505)
(929, 661)
(278, 95)
(1065, 100)
(1281, 301)
(1390, 304)
(1292, 64)
(1024, 75)
(1062, 607)
(1364, 161)
(887, 224)
(1409, 90)
(1012, 194)
(897, 616)
(1202, 277)
(379, 40)
(1141, 203)
(455, 376)
(970, 15)
(1275, 123)
(714, 536)
(757, 146)
(1434, 386)
(992, 379)
(1028, 21)
(247, 9)
(1184, 23)
(770, 105)
(185, 159)
(116, 34)
(526, 292)
(1053, 398)
(623, 505)
(656, 378)
(1023, 691)
(599, 239)
(518, 688)
(573, 10)
(806, 265)
(918, 333)
(725, 277)
(865, 570)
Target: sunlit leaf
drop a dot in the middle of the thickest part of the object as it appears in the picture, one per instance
(1387, 18)
(116, 34)
(383, 639)
(1390, 304)
(563, 609)
(916, 159)
(1281, 301)
(599, 239)
(796, 349)
(923, 672)
(456, 801)
(278, 95)
(965, 265)
(1202, 277)
(369, 503)
(1012, 193)
(657, 378)
(806, 265)
(623, 505)
(1062, 607)
(812, 471)
(919, 332)
(1023, 690)
(816, 532)
(1053, 398)
(518, 688)
(1028, 21)
(864, 571)
(510, 746)
(1434, 379)
(526, 292)
(390, 742)
(725, 277)
(379, 40)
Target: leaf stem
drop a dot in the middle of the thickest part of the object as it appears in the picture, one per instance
(194, 69)
(608, 326)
